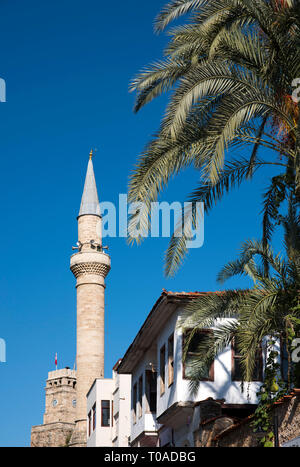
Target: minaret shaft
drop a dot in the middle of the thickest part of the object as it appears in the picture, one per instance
(90, 336)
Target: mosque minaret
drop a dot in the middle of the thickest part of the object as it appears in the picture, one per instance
(90, 265)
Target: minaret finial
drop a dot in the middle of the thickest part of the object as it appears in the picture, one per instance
(91, 154)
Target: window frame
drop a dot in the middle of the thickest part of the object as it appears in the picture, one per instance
(171, 359)
(211, 376)
(140, 396)
(235, 357)
(134, 403)
(94, 418)
(90, 423)
(162, 370)
(148, 392)
(109, 412)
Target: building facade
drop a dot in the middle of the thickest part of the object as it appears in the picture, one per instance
(108, 411)
(163, 410)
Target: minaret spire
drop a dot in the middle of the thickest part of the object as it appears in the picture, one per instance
(90, 201)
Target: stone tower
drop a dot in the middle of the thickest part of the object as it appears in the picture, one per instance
(60, 410)
(60, 396)
(90, 265)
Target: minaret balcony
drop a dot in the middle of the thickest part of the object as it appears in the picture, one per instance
(90, 262)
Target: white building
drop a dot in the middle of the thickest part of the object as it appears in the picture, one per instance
(163, 412)
(108, 411)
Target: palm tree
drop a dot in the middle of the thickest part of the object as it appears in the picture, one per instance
(270, 308)
(231, 69)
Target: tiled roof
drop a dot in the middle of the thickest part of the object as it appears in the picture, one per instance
(117, 364)
(187, 294)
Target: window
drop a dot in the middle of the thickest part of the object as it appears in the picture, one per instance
(134, 402)
(162, 369)
(236, 368)
(90, 423)
(151, 390)
(94, 416)
(171, 360)
(192, 353)
(140, 396)
(105, 413)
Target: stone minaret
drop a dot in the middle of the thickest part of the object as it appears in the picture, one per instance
(90, 265)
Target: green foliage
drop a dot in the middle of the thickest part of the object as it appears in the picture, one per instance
(272, 389)
(67, 441)
(231, 68)
(270, 308)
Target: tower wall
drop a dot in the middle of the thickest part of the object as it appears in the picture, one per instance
(52, 435)
(90, 337)
(89, 228)
(90, 267)
(60, 396)
(60, 410)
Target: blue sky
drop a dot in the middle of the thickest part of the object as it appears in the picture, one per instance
(67, 66)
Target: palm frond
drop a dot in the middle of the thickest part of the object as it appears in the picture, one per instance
(249, 250)
(273, 198)
(156, 79)
(173, 10)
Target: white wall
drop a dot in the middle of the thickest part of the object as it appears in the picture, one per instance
(102, 390)
(147, 422)
(122, 408)
(172, 393)
(221, 387)
(92, 398)
(118, 392)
